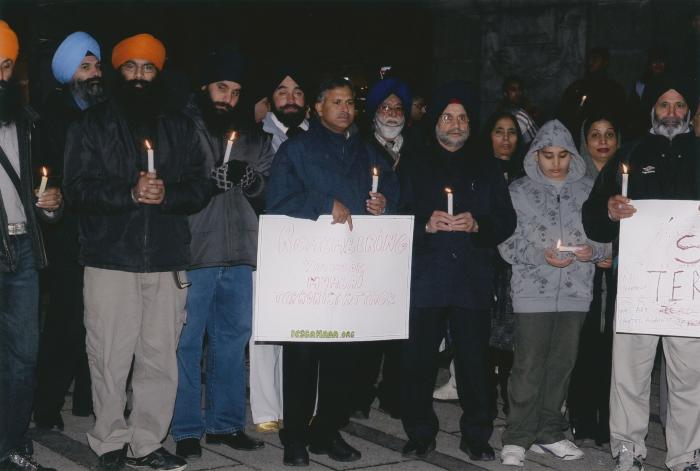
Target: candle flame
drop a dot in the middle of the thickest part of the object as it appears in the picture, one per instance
(148, 145)
(448, 189)
(624, 168)
(233, 136)
(44, 171)
(558, 243)
(375, 171)
(583, 100)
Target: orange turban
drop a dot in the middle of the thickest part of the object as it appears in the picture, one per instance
(142, 46)
(9, 45)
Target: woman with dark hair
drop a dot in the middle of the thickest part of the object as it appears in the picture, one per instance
(589, 389)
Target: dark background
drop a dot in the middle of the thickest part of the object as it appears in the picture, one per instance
(427, 42)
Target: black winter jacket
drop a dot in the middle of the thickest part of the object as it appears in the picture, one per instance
(102, 164)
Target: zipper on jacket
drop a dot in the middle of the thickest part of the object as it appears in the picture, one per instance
(561, 233)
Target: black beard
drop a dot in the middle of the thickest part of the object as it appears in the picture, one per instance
(89, 91)
(10, 101)
(291, 119)
(219, 121)
(141, 105)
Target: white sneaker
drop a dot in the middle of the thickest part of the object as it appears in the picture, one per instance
(446, 392)
(513, 455)
(563, 449)
(627, 461)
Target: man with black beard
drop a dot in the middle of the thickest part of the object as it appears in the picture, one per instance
(134, 172)
(662, 165)
(21, 256)
(224, 251)
(76, 65)
(288, 118)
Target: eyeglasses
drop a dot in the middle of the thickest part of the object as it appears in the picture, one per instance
(447, 118)
(386, 109)
(133, 68)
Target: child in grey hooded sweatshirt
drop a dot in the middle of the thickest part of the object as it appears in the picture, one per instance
(551, 290)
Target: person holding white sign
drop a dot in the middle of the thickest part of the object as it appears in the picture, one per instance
(552, 289)
(327, 170)
(663, 165)
(452, 274)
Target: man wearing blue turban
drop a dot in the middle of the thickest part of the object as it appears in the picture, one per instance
(62, 357)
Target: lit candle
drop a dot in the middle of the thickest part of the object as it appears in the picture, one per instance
(44, 180)
(566, 248)
(625, 180)
(583, 100)
(151, 164)
(229, 145)
(450, 201)
(375, 179)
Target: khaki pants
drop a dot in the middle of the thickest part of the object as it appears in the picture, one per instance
(132, 316)
(265, 381)
(633, 361)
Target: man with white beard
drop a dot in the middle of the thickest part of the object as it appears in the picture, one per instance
(390, 102)
(663, 165)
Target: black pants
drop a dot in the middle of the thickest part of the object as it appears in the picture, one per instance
(306, 367)
(62, 356)
(469, 331)
(370, 358)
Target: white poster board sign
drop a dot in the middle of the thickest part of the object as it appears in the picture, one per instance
(659, 273)
(321, 282)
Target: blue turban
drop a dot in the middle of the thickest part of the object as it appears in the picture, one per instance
(382, 89)
(70, 54)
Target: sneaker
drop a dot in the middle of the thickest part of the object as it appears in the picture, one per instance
(513, 455)
(446, 392)
(627, 461)
(161, 459)
(563, 449)
(19, 461)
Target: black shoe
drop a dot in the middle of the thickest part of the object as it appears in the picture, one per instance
(236, 440)
(337, 449)
(362, 414)
(478, 452)
(112, 460)
(19, 461)
(188, 448)
(295, 454)
(418, 448)
(49, 421)
(161, 459)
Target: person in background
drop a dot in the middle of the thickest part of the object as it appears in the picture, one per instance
(515, 103)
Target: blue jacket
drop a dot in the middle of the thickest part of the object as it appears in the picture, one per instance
(314, 168)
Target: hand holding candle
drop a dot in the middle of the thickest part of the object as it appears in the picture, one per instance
(566, 248)
(151, 162)
(375, 179)
(450, 201)
(44, 181)
(229, 145)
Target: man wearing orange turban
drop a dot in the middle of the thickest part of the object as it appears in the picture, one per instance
(134, 171)
(21, 256)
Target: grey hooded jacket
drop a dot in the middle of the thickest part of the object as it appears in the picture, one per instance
(545, 215)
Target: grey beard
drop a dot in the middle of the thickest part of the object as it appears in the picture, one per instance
(388, 132)
(669, 129)
(450, 141)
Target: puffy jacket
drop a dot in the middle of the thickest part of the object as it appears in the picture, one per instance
(314, 168)
(225, 232)
(545, 215)
(102, 164)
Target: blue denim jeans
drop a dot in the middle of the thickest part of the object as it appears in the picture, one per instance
(219, 303)
(19, 344)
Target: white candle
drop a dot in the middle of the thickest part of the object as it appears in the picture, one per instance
(151, 163)
(44, 180)
(229, 145)
(450, 201)
(625, 180)
(566, 248)
(375, 179)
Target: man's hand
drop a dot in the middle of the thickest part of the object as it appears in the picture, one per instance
(619, 207)
(464, 222)
(439, 221)
(607, 263)
(584, 253)
(50, 200)
(149, 189)
(376, 204)
(341, 214)
(552, 257)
